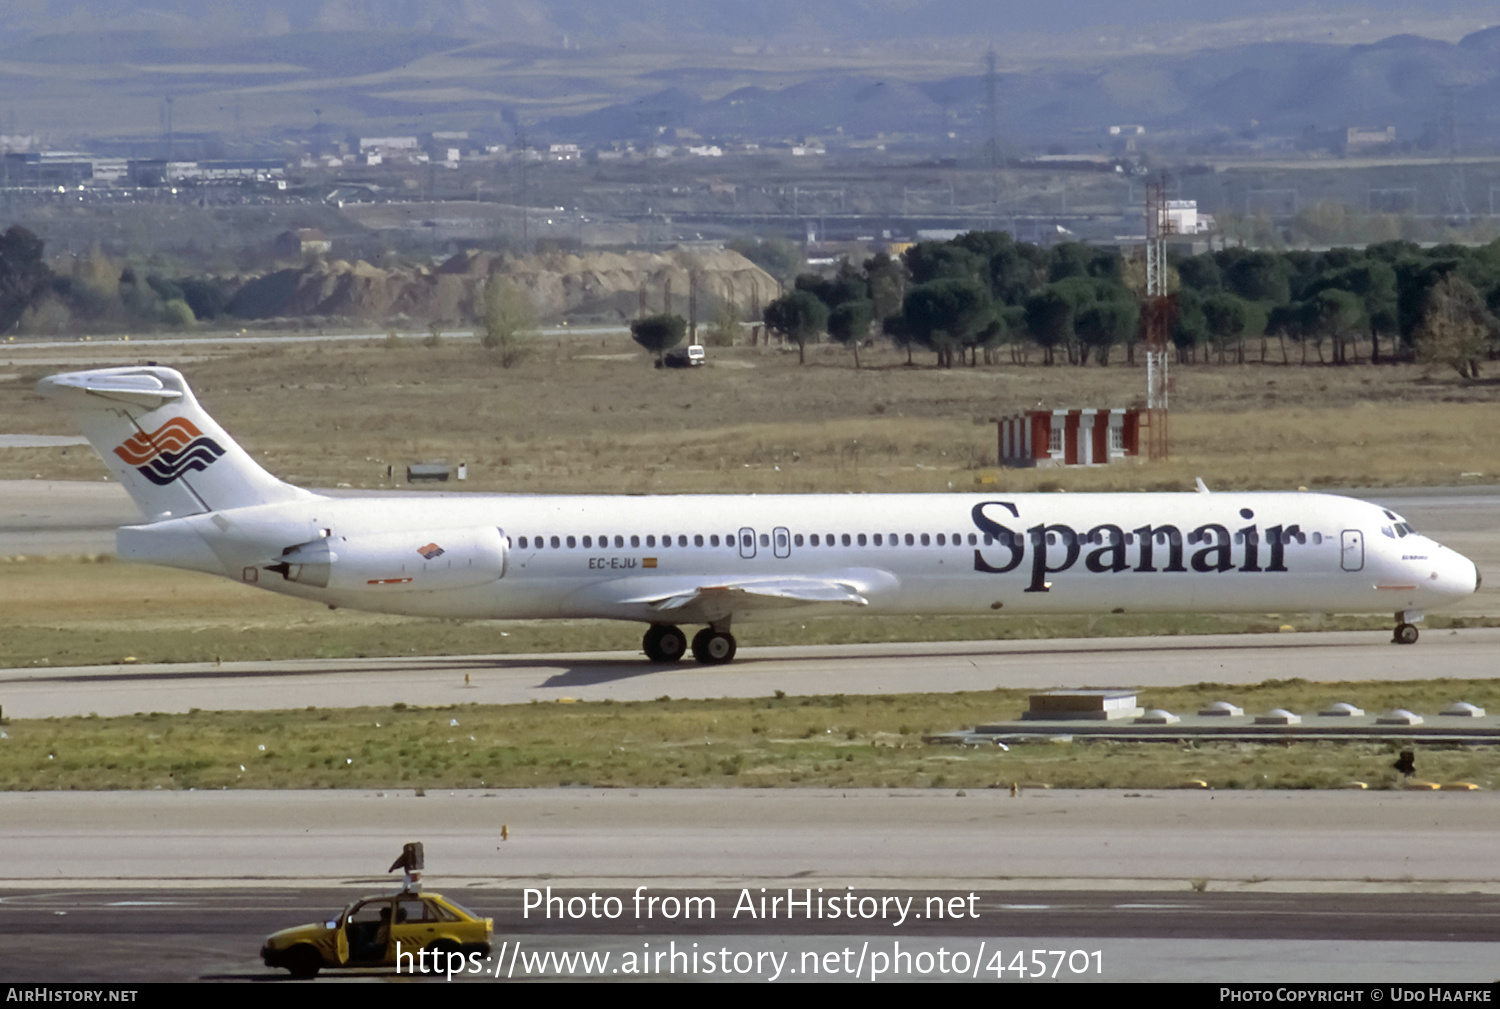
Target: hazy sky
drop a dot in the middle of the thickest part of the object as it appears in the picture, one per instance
(851, 19)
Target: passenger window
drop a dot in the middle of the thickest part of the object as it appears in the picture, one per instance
(588, 542)
(650, 541)
(698, 540)
(973, 540)
(556, 543)
(813, 539)
(765, 539)
(619, 542)
(1317, 539)
(845, 539)
(713, 540)
(926, 540)
(878, 540)
(521, 542)
(682, 539)
(861, 539)
(572, 543)
(797, 540)
(748, 541)
(941, 541)
(635, 541)
(666, 541)
(910, 540)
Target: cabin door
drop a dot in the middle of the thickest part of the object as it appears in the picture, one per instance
(1354, 550)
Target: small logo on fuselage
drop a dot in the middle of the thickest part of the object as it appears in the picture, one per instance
(430, 551)
(164, 455)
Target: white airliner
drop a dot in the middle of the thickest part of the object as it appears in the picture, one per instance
(721, 559)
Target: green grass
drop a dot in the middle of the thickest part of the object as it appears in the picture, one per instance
(827, 742)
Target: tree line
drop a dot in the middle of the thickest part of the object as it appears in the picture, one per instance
(984, 294)
(96, 291)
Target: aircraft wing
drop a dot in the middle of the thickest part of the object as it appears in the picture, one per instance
(783, 593)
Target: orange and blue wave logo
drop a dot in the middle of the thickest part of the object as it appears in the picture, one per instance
(173, 449)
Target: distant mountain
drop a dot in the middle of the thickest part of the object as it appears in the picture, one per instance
(620, 69)
(1271, 89)
(672, 21)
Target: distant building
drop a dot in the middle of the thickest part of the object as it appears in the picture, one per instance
(300, 243)
(1183, 218)
(1045, 438)
(49, 169)
(388, 144)
(1359, 136)
(248, 170)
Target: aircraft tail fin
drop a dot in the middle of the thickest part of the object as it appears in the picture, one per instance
(169, 454)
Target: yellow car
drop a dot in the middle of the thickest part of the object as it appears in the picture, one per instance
(372, 931)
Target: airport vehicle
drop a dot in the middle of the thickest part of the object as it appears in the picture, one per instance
(683, 357)
(717, 560)
(392, 930)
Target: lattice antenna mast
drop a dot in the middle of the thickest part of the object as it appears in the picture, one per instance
(1458, 201)
(1157, 318)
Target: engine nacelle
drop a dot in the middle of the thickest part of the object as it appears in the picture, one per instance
(419, 561)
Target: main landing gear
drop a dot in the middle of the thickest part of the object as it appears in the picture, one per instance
(1406, 631)
(711, 647)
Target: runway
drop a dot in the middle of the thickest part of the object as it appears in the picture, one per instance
(1222, 887)
(1352, 841)
(941, 666)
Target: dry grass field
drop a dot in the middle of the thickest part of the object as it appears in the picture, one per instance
(824, 742)
(589, 414)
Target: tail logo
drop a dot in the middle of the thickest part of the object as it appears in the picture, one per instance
(164, 455)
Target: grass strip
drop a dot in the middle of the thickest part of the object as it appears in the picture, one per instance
(840, 741)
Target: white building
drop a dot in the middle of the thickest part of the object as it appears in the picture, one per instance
(1183, 218)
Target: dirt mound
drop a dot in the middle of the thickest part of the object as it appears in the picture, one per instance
(592, 285)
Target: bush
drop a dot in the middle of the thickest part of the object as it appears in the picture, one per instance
(659, 333)
(177, 313)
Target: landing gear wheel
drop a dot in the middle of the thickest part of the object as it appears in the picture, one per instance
(713, 648)
(664, 643)
(1406, 634)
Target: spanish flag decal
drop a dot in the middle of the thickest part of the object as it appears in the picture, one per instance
(648, 562)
